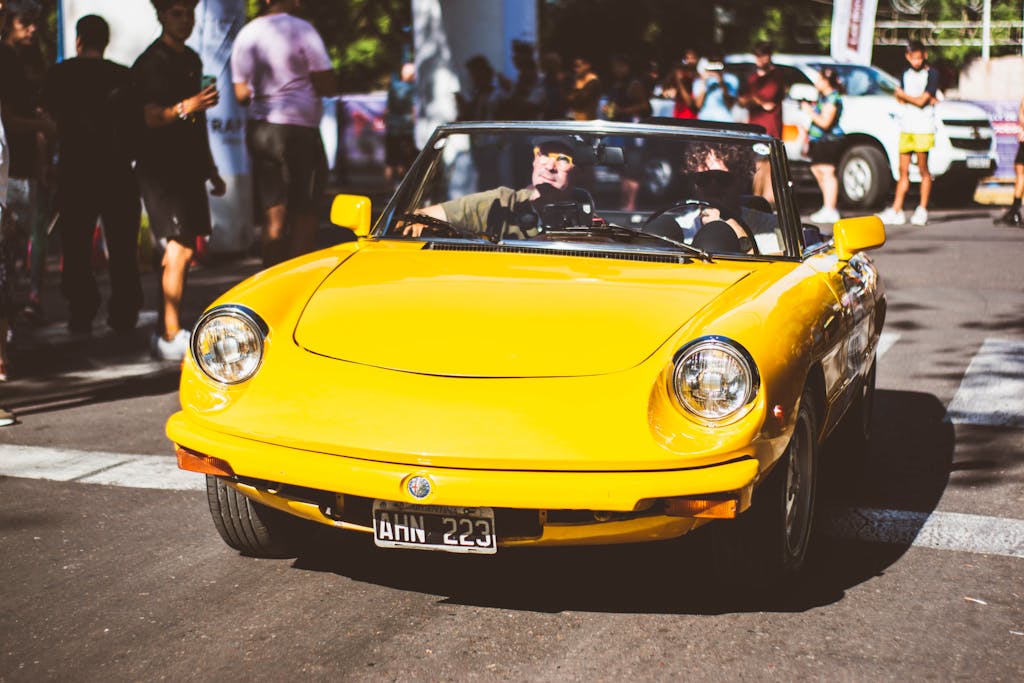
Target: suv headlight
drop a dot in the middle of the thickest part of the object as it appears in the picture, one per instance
(227, 343)
(714, 378)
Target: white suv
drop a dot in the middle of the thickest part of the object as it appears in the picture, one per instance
(965, 147)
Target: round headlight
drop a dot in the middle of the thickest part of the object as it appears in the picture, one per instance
(227, 344)
(714, 378)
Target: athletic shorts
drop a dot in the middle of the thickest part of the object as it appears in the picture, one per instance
(399, 150)
(177, 205)
(916, 142)
(824, 151)
(289, 165)
(1019, 159)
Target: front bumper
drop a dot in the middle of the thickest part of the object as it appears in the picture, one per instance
(266, 472)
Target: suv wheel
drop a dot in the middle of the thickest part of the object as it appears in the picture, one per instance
(864, 177)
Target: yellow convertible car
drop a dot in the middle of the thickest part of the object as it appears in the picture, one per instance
(554, 334)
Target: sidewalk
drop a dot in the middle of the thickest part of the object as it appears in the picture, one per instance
(50, 365)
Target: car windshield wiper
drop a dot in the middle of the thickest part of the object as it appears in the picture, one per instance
(637, 232)
(439, 224)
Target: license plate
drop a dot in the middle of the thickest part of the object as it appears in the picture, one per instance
(434, 527)
(977, 162)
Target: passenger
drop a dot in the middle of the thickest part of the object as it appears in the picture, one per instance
(722, 176)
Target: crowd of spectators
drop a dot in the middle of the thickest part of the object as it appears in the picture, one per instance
(695, 87)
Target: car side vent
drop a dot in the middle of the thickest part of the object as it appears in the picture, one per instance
(582, 253)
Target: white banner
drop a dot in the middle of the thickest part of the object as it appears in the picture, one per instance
(853, 29)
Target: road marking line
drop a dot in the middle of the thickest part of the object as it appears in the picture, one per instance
(885, 342)
(93, 467)
(936, 529)
(124, 370)
(992, 390)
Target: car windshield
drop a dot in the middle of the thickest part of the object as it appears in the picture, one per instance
(863, 80)
(623, 188)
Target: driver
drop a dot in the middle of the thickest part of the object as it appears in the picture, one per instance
(504, 211)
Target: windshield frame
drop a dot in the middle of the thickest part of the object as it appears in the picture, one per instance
(787, 215)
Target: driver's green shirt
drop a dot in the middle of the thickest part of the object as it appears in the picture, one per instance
(492, 211)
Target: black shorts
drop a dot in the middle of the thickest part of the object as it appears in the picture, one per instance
(399, 150)
(825, 151)
(1019, 159)
(177, 204)
(288, 165)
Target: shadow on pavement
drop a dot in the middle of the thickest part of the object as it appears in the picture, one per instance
(907, 468)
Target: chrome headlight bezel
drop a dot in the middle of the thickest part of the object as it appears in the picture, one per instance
(734, 359)
(236, 314)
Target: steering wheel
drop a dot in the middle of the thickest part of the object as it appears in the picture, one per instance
(701, 204)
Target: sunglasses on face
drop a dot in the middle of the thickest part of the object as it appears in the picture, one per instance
(713, 178)
(563, 161)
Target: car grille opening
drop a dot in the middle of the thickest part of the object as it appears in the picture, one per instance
(978, 145)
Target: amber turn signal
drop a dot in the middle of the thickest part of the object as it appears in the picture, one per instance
(204, 464)
(704, 508)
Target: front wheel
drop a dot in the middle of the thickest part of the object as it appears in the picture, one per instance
(864, 177)
(768, 543)
(252, 528)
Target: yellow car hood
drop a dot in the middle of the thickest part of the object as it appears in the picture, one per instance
(488, 314)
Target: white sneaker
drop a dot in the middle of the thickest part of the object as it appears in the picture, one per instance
(174, 349)
(891, 217)
(824, 215)
(920, 216)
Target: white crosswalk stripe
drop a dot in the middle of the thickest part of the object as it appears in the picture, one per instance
(992, 389)
(940, 530)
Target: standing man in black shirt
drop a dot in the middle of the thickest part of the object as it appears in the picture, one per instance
(174, 160)
(87, 95)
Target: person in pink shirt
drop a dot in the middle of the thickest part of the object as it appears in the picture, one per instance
(281, 70)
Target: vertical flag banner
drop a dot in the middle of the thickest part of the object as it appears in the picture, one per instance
(853, 30)
(217, 24)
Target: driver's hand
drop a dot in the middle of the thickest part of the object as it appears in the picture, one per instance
(413, 229)
(710, 213)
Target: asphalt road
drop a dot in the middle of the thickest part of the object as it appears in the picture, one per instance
(114, 582)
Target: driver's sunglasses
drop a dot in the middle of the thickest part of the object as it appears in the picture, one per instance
(563, 162)
(716, 177)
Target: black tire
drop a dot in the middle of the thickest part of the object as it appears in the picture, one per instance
(853, 433)
(251, 528)
(768, 543)
(864, 177)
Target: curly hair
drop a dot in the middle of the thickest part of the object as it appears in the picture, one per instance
(738, 158)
